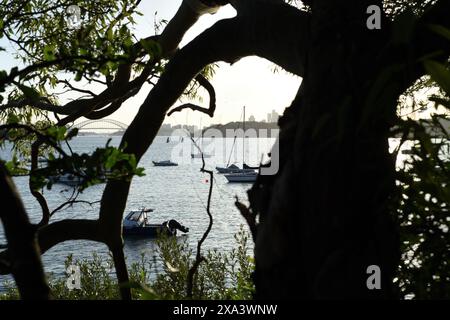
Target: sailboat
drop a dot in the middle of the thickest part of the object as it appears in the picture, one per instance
(229, 168)
(243, 175)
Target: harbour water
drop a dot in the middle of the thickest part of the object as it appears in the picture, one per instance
(173, 192)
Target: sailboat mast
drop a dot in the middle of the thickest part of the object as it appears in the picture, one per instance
(243, 141)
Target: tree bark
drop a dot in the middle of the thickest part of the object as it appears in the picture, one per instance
(325, 217)
(24, 256)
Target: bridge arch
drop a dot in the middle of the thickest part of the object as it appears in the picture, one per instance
(102, 124)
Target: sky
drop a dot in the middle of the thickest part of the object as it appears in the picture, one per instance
(251, 82)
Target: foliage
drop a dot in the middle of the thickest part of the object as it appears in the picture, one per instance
(423, 213)
(221, 276)
(103, 164)
(39, 29)
(423, 196)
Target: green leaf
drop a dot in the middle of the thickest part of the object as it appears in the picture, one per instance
(152, 47)
(12, 119)
(49, 53)
(109, 34)
(29, 92)
(439, 73)
(78, 76)
(58, 133)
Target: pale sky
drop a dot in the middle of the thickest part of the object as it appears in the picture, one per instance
(250, 82)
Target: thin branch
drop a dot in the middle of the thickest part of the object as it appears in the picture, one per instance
(212, 99)
(70, 203)
(199, 258)
(69, 85)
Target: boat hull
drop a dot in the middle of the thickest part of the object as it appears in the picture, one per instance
(233, 170)
(164, 164)
(199, 156)
(241, 177)
(149, 231)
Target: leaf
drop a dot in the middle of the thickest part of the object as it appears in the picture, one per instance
(109, 34)
(439, 73)
(152, 47)
(440, 30)
(58, 133)
(49, 53)
(29, 92)
(78, 76)
(12, 119)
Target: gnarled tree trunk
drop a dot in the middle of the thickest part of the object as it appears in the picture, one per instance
(325, 216)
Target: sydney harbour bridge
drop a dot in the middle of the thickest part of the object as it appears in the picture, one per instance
(102, 125)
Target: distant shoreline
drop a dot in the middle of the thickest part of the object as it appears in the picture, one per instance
(266, 129)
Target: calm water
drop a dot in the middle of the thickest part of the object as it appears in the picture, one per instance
(174, 192)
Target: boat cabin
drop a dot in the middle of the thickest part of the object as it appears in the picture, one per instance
(136, 218)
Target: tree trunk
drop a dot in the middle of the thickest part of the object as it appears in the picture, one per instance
(324, 218)
(24, 256)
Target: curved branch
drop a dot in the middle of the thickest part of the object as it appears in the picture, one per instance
(69, 229)
(57, 232)
(212, 99)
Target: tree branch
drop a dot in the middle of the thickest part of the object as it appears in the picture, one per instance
(199, 258)
(212, 99)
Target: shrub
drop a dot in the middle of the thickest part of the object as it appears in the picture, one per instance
(220, 276)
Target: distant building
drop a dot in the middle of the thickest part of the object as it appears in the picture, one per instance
(251, 119)
(275, 116)
(272, 117)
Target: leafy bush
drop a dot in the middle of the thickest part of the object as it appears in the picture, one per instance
(220, 276)
(423, 214)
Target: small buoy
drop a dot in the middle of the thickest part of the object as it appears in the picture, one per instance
(206, 180)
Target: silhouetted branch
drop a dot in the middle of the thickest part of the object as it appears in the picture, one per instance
(71, 87)
(70, 203)
(212, 99)
(199, 258)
